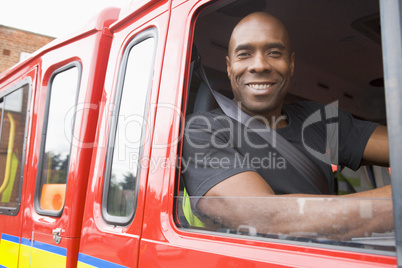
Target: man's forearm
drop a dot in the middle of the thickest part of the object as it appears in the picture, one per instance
(305, 215)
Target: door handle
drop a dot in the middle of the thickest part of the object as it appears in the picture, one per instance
(56, 235)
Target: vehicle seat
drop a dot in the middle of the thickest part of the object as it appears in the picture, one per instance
(219, 81)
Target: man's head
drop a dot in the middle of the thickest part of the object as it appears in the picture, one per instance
(260, 64)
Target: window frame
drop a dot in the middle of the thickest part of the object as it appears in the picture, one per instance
(13, 211)
(137, 39)
(38, 191)
(391, 21)
(208, 233)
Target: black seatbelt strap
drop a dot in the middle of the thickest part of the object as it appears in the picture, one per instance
(295, 157)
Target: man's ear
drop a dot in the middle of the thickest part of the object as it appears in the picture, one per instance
(228, 66)
(292, 63)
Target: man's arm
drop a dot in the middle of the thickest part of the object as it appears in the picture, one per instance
(328, 216)
(377, 148)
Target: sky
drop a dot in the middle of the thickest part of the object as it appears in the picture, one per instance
(54, 18)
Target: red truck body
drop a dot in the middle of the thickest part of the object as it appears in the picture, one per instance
(78, 234)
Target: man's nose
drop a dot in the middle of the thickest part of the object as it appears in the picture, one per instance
(260, 64)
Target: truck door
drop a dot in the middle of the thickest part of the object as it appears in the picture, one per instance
(65, 112)
(211, 243)
(115, 205)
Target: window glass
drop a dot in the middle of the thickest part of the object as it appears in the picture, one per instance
(287, 222)
(55, 155)
(330, 43)
(127, 137)
(13, 112)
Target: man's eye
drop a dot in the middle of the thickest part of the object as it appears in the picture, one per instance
(275, 53)
(243, 54)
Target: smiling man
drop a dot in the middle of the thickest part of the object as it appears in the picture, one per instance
(260, 45)
(247, 174)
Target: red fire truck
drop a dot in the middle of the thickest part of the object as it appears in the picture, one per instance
(91, 132)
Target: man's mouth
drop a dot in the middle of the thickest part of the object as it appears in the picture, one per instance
(261, 86)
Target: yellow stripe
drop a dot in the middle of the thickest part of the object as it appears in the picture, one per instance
(25, 256)
(46, 259)
(84, 265)
(9, 254)
(34, 257)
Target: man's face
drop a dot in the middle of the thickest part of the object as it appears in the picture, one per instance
(260, 65)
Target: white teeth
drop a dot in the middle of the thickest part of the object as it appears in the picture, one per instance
(259, 86)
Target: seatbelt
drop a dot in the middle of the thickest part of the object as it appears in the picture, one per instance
(296, 158)
(191, 218)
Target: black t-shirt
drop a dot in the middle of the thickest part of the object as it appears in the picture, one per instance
(216, 147)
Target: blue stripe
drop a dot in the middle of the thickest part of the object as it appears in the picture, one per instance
(26, 242)
(50, 248)
(97, 262)
(10, 238)
(1, 266)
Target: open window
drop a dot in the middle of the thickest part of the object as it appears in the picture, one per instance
(338, 59)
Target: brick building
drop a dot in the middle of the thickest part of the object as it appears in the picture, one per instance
(16, 44)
